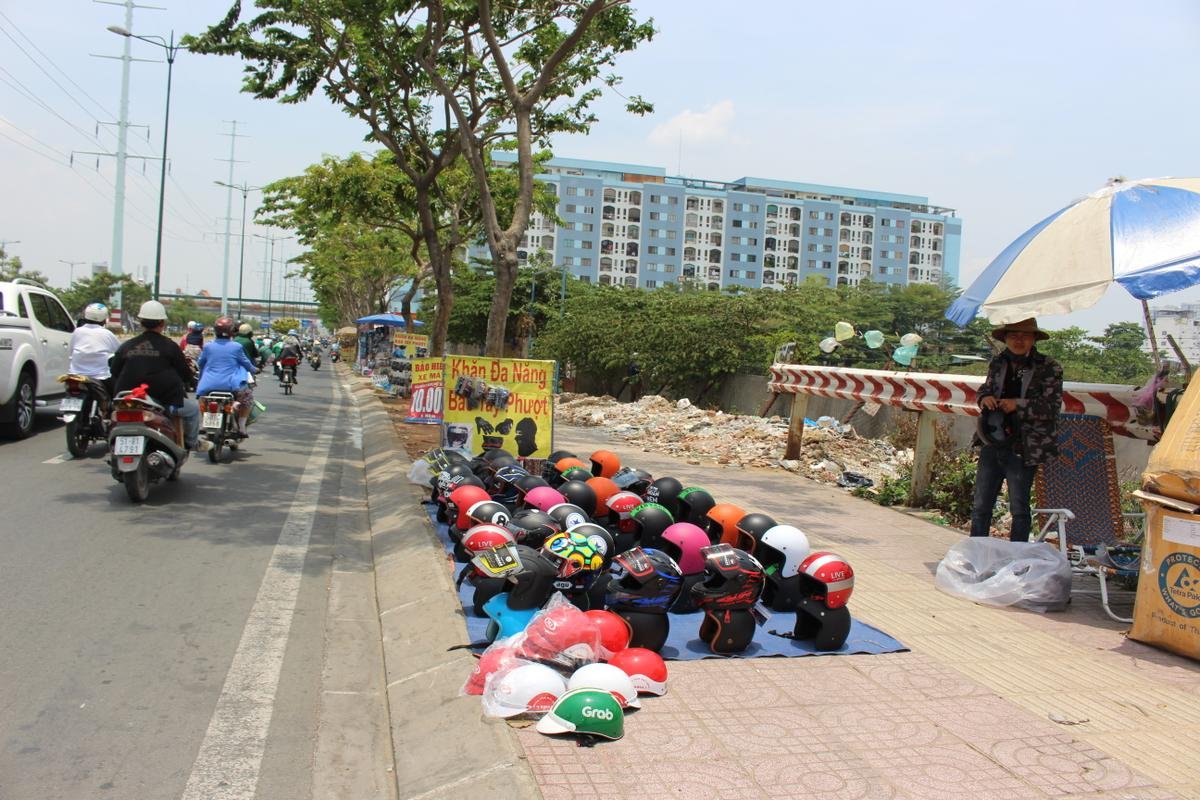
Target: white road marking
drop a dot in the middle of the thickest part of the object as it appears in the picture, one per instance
(230, 758)
(59, 459)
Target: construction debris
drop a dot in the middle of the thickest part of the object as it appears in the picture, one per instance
(830, 449)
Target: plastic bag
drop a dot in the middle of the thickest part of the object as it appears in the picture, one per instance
(421, 473)
(998, 572)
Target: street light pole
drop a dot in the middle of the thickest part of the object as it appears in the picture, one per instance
(170, 48)
(245, 190)
(71, 264)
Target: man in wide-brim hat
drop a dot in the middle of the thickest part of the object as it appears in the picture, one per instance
(1018, 425)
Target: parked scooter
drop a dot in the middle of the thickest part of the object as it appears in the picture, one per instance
(145, 442)
(85, 408)
(218, 422)
(314, 360)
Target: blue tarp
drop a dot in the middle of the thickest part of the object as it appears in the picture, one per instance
(395, 320)
(684, 644)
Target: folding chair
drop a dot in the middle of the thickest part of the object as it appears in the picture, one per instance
(1079, 491)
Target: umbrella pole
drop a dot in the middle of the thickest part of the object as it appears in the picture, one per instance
(1153, 338)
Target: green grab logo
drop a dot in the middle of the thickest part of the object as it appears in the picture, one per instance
(1179, 584)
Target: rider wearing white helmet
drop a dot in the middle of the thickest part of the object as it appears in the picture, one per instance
(92, 345)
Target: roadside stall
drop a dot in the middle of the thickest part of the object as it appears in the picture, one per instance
(385, 350)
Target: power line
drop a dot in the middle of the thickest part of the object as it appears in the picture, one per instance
(33, 44)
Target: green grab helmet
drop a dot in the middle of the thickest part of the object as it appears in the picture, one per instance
(586, 711)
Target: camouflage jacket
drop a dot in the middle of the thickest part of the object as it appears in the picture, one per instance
(1039, 406)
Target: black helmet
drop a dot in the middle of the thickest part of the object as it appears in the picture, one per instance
(533, 583)
(446, 487)
(495, 453)
(503, 484)
(441, 481)
(632, 479)
(643, 580)
(580, 494)
(665, 491)
(531, 526)
(694, 504)
(650, 520)
(575, 474)
(549, 470)
(995, 428)
(528, 482)
(568, 515)
(733, 580)
(489, 511)
(750, 529)
(600, 539)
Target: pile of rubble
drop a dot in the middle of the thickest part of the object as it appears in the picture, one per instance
(830, 450)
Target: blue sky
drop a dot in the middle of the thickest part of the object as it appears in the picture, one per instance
(1003, 111)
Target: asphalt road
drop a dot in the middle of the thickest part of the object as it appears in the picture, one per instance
(174, 648)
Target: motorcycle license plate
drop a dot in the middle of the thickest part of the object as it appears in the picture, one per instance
(69, 404)
(129, 445)
(211, 420)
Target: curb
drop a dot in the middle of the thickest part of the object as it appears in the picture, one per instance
(443, 746)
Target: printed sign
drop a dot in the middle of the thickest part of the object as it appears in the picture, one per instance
(1179, 584)
(1181, 531)
(426, 401)
(412, 341)
(498, 402)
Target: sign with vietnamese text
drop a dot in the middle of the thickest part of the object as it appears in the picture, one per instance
(425, 402)
(499, 402)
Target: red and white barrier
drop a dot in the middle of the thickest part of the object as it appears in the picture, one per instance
(950, 394)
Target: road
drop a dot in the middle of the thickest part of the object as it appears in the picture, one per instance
(173, 649)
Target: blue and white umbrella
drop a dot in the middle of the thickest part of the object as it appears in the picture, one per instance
(1144, 235)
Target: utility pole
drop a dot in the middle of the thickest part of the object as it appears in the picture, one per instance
(71, 264)
(233, 137)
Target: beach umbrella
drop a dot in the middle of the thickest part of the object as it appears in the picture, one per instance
(1141, 234)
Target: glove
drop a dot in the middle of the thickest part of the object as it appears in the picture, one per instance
(483, 426)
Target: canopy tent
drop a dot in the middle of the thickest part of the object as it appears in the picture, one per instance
(394, 320)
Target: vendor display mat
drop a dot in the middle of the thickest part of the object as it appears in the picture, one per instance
(683, 643)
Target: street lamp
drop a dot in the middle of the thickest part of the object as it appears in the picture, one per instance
(271, 240)
(245, 190)
(71, 264)
(171, 49)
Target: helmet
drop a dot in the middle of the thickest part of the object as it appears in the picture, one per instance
(549, 468)
(683, 542)
(452, 477)
(603, 488)
(574, 552)
(96, 312)
(523, 485)
(503, 483)
(489, 511)
(830, 578)
(576, 474)
(643, 580)
(781, 550)
(588, 711)
(292, 332)
(650, 520)
(733, 580)
(192, 325)
(562, 635)
(605, 463)
(533, 582)
(223, 327)
(556, 479)
(620, 505)
(567, 515)
(152, 311)
(494, 453)
(749, 528)
(481, 538)
(665, 492)
(495, 658)
(995, 428)
(607, 678)
(614, 631)
(644, 667)
(600, 539)
(461, 499)
(694, 503)
(544, 498)
(721, 523)
(521, 689)
(506, 620)
(580, 494)
(244, 329)
(531, 526)
(633, 479)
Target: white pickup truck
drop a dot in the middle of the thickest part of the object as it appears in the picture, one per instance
(35, 348)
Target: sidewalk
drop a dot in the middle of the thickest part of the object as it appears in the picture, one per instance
(989, 702)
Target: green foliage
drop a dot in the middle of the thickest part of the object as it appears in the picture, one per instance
(11, 267)
(284, 324)
(952, 489)
(99, 288)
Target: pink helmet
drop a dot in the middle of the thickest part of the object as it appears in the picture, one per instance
(543, 497)
(683, 542)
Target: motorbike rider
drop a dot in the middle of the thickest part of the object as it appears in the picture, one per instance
(225, 367)
(288, 347)
(245, 339)
(157, 361)
(193, 338)
(92, 345)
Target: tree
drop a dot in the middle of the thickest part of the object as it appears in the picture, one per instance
(100, 287)
(284, 324)
(1122, 359)
(11, 268)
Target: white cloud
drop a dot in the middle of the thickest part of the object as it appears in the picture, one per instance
(709, 125)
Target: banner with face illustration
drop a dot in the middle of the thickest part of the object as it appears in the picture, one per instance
(499, 402)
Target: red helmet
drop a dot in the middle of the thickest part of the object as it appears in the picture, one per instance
(486, 536)
(645, 667)
(604, 489)
(834, 578)
(615, 632)
(224, 327)
(605, 463)
(462, 499)
(620, 506)
(494, 658)
(556, 634)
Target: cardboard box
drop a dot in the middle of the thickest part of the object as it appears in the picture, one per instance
(1174, 466)
(1167, 608)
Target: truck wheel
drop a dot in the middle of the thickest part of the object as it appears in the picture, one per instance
(24, 401)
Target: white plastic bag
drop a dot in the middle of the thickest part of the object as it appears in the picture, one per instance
(998, 572)
(421, 473)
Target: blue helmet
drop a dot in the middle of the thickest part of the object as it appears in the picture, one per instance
(643, 580)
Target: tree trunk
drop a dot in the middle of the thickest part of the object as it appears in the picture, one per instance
(504, 265)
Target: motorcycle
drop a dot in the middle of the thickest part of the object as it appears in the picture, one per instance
(85, 409)
(314, 360)
(145, 442)
(218, 422)
(287, 372)
(335, 356)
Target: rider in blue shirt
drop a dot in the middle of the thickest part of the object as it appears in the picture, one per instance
(224, 367)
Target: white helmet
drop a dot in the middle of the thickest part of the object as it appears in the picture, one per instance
(522, 689)
(607, 678)
(96, 312)
(292, 332)
(152, 310)
(191, 326)
(789, 542)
